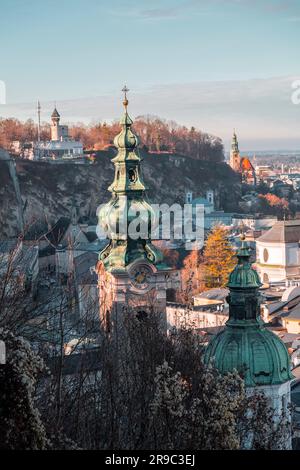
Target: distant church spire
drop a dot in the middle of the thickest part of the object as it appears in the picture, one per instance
(234, 142)
(235, 159)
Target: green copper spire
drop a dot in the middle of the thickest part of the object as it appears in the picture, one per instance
(127, 202)
(127, 162)
(234, 143)
(246, 344)
(243, 275)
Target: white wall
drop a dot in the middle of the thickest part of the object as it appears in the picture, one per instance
(292, 326)
(283, 260)
(178, 317)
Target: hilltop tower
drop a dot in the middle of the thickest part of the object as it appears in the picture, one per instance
(247, 345)
(235, 160)
(131, 271)
(58, 132)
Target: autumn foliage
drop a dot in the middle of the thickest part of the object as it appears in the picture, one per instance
(272, 204)
(155, 135)
(219, 258)
(191, 276)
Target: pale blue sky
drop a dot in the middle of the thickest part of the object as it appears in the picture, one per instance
(71, 49)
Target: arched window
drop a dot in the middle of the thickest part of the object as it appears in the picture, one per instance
(266, 278)
(132, 175)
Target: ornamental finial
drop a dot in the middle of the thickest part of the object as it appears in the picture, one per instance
(242, 234)
(125, 91)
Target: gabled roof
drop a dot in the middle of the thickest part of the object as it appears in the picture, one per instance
(287, 231)
(246, 165)
(55, 235)
(217, 293)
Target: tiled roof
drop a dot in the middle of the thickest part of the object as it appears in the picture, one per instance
(282, 232)
(219, 293)
(55, 235)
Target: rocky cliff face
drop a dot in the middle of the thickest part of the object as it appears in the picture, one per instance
(49, 191)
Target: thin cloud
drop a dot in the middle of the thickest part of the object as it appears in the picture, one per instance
(160, 13)
(271, 6)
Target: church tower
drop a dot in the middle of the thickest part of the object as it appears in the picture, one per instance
(246, 345)
(235, 160)
(55, 118)
(58, 132)
(131, 271)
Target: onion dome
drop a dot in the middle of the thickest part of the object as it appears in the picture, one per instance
(256, 353)
(126, 139)
(245, 344)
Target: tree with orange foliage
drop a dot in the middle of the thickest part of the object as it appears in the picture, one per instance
(272, 204)
(155, 134)
(219, 258)
(191, 276)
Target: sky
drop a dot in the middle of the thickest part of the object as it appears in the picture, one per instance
(214, 64)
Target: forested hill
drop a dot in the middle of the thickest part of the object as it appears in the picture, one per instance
(49, 190)
(155, 135)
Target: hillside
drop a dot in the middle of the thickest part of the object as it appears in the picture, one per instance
(48, 190)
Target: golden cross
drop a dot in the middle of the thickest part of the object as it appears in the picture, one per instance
(125, 91)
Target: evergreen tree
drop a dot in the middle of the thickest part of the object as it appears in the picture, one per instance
(219, 258)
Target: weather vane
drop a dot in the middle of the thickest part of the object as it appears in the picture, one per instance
(125, 91)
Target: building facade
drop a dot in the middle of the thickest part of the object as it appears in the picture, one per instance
(278, 253)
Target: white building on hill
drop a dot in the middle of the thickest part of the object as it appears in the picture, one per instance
(61, 147)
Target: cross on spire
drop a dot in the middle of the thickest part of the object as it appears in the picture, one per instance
(125, 91)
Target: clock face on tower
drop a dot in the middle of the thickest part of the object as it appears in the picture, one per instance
(140, 276)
